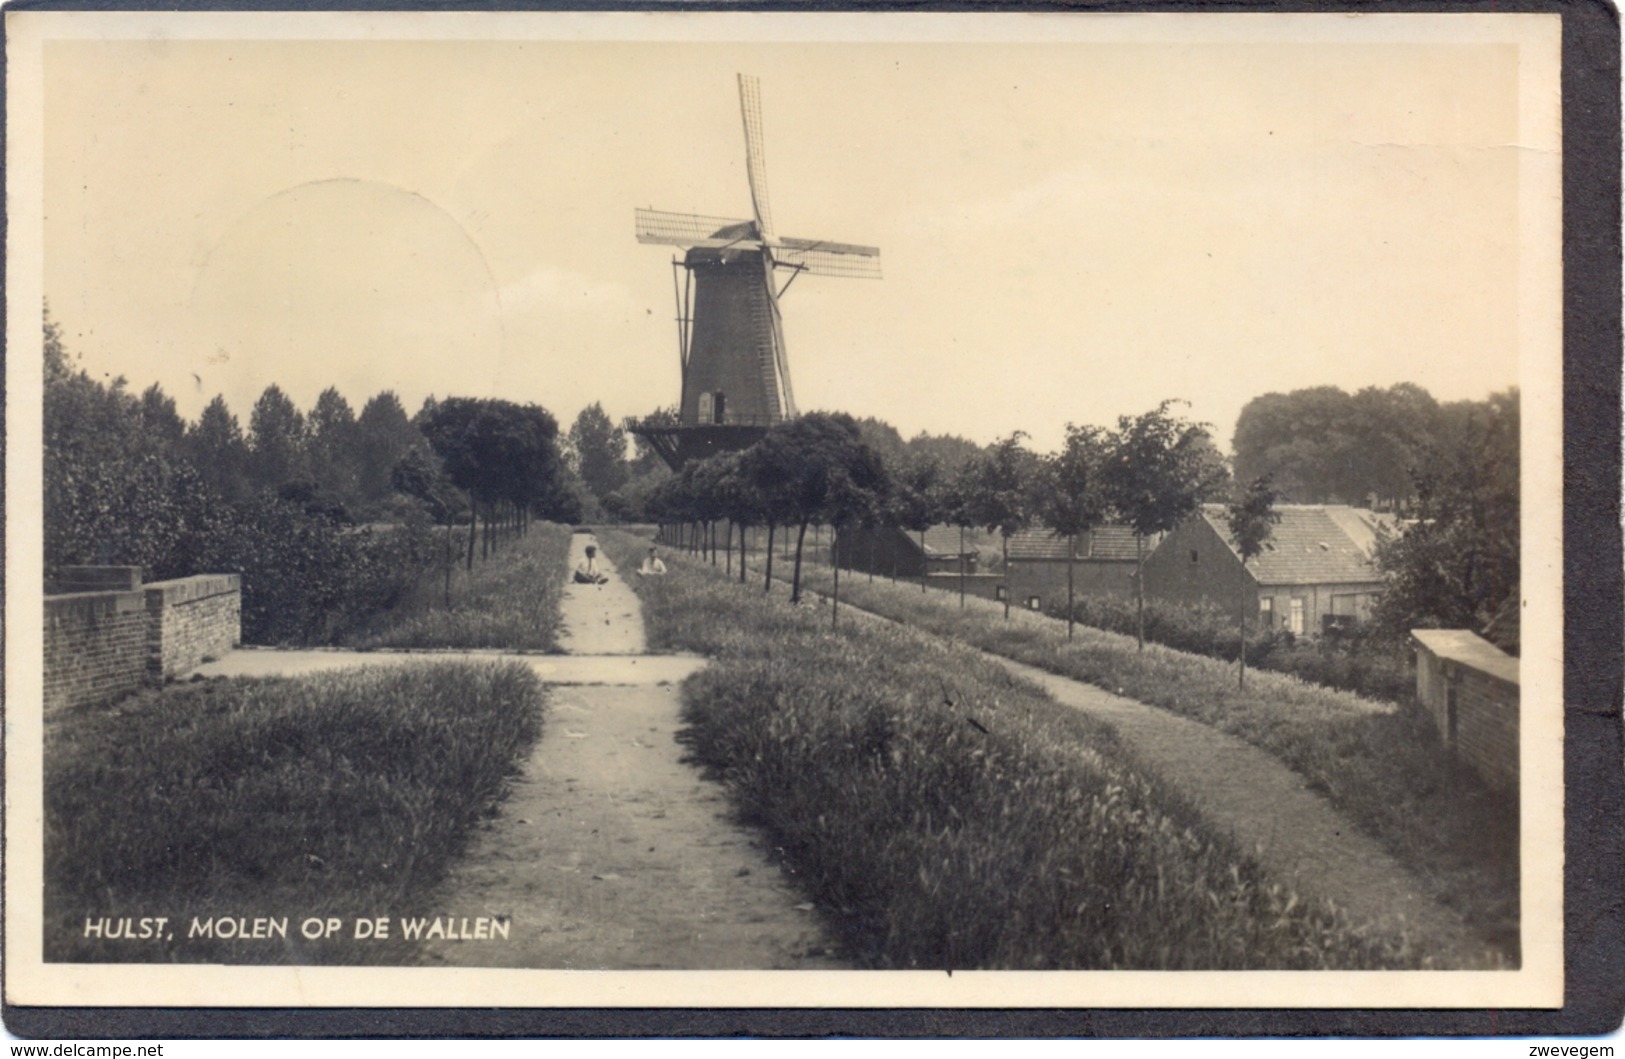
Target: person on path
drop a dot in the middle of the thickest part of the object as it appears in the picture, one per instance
(587, 572)
(652, 566)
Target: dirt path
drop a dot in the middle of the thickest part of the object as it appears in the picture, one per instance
(613, 853)
(1296, 833)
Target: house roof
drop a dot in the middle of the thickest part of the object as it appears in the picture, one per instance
(1313, 544)
(944, 540)
(1102, 543)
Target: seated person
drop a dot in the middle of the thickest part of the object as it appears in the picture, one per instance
(652, 566)
(587, 572)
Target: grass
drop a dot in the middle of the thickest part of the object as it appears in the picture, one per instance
(1384, 767)
(946, 815)
(510, 602)
(341, 795)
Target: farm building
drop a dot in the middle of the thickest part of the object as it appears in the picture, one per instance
(1316, 572)
(1470, 688)
(1103, 565)
(887, 551)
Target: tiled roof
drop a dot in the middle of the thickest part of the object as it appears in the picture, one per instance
(1115, 542)
(1102, 543)
(943, 540)
(1313, 544)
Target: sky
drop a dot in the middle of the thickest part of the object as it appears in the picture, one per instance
(1070, 230)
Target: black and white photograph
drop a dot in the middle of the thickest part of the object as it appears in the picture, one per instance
(661, 509)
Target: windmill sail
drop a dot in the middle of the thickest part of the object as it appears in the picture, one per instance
(750, 105)
(828, 259)
(691, 229)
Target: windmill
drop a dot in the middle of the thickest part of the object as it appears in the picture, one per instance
(730, 336)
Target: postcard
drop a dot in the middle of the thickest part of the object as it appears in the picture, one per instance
(674, 509)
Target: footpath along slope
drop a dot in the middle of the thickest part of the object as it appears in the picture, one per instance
(611, 852)
(1299, 837)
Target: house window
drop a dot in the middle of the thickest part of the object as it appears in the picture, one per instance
(1033, 603)
(1266, 612)
(1193, 555)
(1294, 621)
(721, 407)
(705, 407)
(1000, 592)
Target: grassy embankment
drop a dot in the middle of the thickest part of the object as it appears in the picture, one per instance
(1384, 767)
(510, 601)
(341, 795)
(946, 815)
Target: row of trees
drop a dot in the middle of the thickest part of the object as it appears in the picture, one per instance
(1324, 445)
(1151, 473)
(127, 481)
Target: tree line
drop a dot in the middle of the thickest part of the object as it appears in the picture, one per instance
(129, 481)
(325, 514)
(1150, 473)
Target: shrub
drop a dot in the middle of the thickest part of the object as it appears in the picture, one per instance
(308, 579)
(1374, 669)
(509, 602)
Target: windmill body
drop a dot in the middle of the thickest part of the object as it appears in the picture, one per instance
(735, 372)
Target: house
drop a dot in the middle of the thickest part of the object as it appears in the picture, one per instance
(1316, 572)
(1102, 565)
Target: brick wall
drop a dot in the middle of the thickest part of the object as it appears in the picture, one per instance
(1214, 575)
(1046, 579)
(190, 620)
(1470, 687)
(102, 645)
(95, 647)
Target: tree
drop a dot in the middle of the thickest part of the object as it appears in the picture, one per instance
(1071, 498)
(1001, 495)
(1251, 517)
(276, 440)
(117, 487)
(599, 450)
(857, 489)
(335, 463)
(215, 447)
(1158, 471)
(814, 466)
(917, 497)
(161, 425)
(1457, 565)
(504, 456)
(1323, 445)
(959, 507)
(384, 434)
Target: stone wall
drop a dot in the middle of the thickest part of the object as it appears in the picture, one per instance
(191, 620)
(102, 645)
(95, 647)
(1470, 687)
